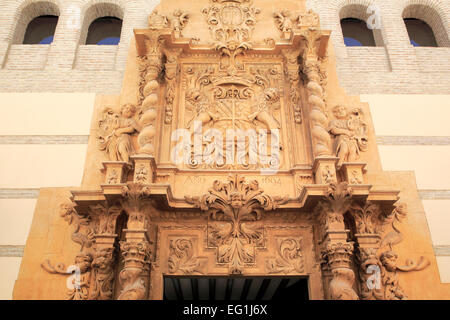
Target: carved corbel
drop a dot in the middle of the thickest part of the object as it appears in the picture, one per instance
(337, 252)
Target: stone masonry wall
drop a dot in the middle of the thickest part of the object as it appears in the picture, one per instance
(394, 66)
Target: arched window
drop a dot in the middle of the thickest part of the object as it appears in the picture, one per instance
(356, 33)
(41, 30)
(420, 33)
(424, 26)
(104, 31)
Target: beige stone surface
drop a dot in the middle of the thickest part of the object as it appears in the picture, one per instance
(10, 269)
(444, 268)
(438, 220)
(418, 159)
(35, 166)
(15, 220)
(28, 113)
(409, 115)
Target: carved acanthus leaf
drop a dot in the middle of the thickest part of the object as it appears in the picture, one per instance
(182, 258)
(289, 258)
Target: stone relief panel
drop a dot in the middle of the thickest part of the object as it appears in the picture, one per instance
(224, 110)
(183, 258)
(235, 209)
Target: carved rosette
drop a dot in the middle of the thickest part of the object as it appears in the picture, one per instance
(234, 208)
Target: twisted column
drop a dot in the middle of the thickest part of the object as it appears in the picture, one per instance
(320, 137)
(151, 66)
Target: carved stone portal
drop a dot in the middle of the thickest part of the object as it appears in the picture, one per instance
(313, 217)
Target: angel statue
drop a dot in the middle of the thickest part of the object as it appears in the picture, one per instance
(283, 19)
(350, 131)
(115, 133)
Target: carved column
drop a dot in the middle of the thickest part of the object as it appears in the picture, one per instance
(104, 219)
(314, 43)
(136, 248)
(151, 65)
(367, 221)
(337, 252)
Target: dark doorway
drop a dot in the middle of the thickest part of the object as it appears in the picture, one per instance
(235, 288)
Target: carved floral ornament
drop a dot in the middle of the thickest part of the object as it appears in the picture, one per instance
(234, 209)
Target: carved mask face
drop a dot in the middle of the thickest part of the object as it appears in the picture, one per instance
(83, 262)
(389, 260)
(236, 200)
(127, 111)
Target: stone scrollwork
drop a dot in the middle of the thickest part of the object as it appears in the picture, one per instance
(182, 258)
(234, 208)
(388, 257)
(350, 132)
(290, 258)
(231, 24)
(287, 21)
(79, 273)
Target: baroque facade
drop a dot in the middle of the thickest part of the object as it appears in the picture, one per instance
(302, 194)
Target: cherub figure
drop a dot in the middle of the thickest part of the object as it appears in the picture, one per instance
(351, 133)
(393, 291)
(115, 133)
(157, 21)
(284, 21)
(180, 20)
(262, 113)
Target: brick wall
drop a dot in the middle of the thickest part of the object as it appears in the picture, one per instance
(394, 66)
(402, 68)
(67, 65)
